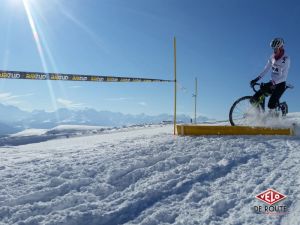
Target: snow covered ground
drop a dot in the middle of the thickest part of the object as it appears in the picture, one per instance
(146, 175)
(30, 136)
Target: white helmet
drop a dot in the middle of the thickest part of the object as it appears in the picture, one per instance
(277, 43)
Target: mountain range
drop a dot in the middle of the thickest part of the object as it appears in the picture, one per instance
(13, 119)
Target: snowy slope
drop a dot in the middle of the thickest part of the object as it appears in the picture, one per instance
(148, 176)
(29, 132)
(29, 136)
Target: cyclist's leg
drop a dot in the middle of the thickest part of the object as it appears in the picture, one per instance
(277, 93)
(256, 96)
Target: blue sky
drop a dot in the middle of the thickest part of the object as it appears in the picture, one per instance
(225, 44)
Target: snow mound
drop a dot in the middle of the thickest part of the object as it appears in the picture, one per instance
(29, 132)
(71, 129)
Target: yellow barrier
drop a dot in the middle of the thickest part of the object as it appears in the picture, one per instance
(231, 130)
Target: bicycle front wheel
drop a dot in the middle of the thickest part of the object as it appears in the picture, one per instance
(242, 111)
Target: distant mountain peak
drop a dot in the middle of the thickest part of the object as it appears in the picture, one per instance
(39, 119)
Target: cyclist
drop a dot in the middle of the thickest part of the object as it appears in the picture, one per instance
(279, 63)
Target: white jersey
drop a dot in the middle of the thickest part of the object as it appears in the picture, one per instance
(279, 68)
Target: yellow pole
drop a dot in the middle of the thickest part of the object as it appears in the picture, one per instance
(175, 86)
(196, 92)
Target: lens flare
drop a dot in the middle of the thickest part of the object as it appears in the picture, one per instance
(40, 49)
(35, 34)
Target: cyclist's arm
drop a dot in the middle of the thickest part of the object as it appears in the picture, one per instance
(266, 69)
(286, 66)
(284, 70)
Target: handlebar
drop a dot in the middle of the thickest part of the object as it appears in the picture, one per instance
(254, 87)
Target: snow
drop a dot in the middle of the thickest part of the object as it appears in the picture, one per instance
(146, 175)
(265, 120)
(29, 132)
(70, 129)
(62, 131)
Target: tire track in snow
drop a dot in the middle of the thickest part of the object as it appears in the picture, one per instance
(282, 168)
(134, 208)
(277, 160)
(293, 202)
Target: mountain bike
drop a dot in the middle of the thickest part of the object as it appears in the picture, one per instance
(242, 109)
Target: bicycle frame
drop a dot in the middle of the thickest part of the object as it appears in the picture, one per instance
(262, 99)
(262, 102)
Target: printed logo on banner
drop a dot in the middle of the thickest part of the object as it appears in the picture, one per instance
(79, 78)
(94, 78)
(112, 79)
(59, 77)
(271, 197)
(124, 80)
(10, 75)
(33, 76)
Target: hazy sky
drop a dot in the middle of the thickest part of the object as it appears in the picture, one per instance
(224, 43)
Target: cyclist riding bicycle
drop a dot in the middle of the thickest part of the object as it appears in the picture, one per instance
(279, 62)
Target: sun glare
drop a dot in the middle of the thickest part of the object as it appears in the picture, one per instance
(34, 32)
(39, 45)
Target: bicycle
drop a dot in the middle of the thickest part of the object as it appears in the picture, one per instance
(242, 109)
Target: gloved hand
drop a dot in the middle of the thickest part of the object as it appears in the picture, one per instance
(253, 82)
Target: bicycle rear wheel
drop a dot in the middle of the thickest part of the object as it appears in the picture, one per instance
(241, 111)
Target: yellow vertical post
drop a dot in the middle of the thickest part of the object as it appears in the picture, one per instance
(175, 86)
(196, 93)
